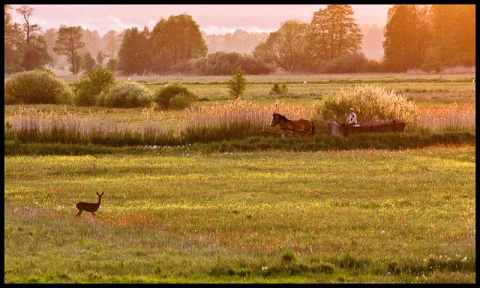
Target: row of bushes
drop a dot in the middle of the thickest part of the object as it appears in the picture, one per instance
(98, 87)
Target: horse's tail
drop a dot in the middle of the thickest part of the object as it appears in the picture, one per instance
(313, 128)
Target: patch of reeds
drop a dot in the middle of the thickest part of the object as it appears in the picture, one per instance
(235, 120)
(449, 118)
(33, 125)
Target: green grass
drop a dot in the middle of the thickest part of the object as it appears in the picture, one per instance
(378, 141)
(383, 208)
(357, 216)
(213, 89)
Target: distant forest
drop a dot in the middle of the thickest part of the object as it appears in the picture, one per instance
(239, 41)
(415, 37)
(242, 41)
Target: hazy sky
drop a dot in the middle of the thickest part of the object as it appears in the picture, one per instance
(213, 19)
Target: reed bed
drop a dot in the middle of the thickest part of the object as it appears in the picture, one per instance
(239, 111)
(451, 117)
(31, 124)
(236, 119)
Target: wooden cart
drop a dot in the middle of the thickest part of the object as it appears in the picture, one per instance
(375, 126)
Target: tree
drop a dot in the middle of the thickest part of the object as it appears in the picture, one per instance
(180, 36)
(28, 29)
(36, 55)
(50, 37)
(88, 62)
(68, 41)
(237, 84)
(453, 41)
(91, 85)
(100, 57)
(162, 62)
(334, 33)
(112, 64)
(134, 54)
(222, 63)
(78, 59)
(287, 47)
(111, 43)
(14, 45)
(404, 44)
(93, 42)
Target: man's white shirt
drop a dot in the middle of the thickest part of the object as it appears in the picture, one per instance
(352, 118)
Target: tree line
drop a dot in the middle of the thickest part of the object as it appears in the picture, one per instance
(425, 37)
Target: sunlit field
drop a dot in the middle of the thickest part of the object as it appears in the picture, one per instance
(198, 214)
(326, 217)
(444, 101)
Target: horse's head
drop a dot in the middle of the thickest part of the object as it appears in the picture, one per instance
(275, 119)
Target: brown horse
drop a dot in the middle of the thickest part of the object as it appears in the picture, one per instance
(289, 127)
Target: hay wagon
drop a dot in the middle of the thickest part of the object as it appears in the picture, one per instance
(375, 126)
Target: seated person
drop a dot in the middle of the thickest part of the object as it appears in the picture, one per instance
(352, 118)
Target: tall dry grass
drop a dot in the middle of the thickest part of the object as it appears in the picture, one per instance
(32, 124)
(235, 120)
(447, 117)
(240, 110)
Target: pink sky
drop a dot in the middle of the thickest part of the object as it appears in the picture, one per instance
(213, 19)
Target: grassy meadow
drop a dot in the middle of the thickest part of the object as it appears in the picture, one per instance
(323, 217)
(281, 211)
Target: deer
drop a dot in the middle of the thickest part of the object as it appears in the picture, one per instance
(89, 207)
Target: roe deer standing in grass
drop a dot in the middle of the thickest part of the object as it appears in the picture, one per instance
(89, 207)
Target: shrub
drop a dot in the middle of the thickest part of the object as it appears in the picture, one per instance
(350, 63)
(222, 63)
(37, 87)
(371, 103)
(181, 101)
(277, 89)
(126, 95)
(91, 85)
(237, 84)
(174, 96)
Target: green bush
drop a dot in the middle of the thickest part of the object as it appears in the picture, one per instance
(174, 96)
(237, 84)
(91, 85)
(126, 95)
(277, 89)
(181, 101)
(37, 87)
(371, 103)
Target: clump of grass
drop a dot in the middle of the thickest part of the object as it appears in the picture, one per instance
(289, 257)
